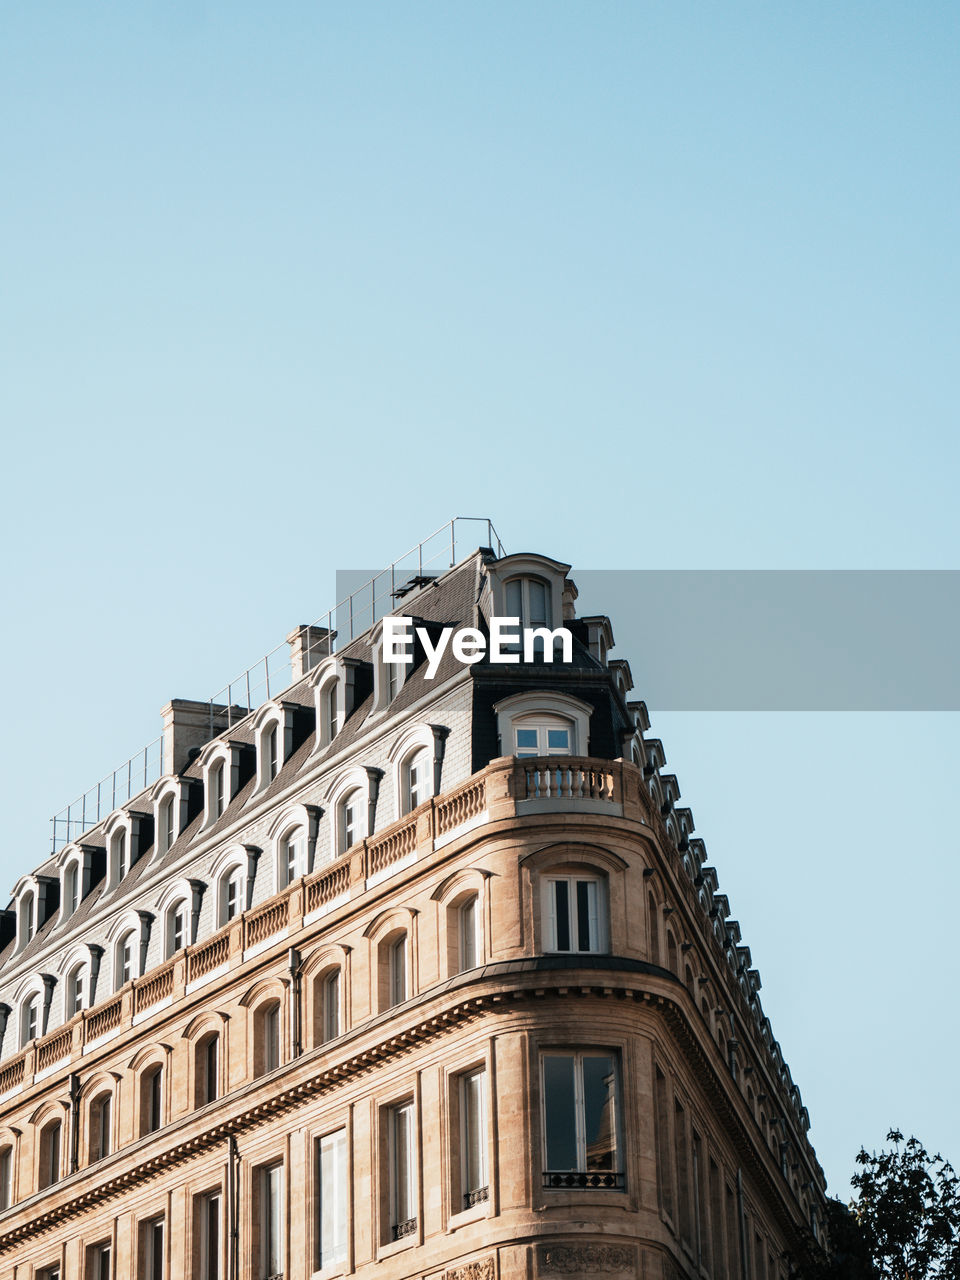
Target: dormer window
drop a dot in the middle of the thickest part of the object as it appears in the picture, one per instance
(74, 995)
(30, 1019)
(351, 819)
(176, 928)
(121, 851)
(293, 856)
(26, 921)
(330, 711)
(168, 822)
(273, 752)
(232, 894)
(417, 778)
(529, 599)
(542, 736)
(71, 889)
(123, 968)
(543, 724)
(218, 789)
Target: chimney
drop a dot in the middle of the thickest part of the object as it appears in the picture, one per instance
(308, 646)
(187, 726)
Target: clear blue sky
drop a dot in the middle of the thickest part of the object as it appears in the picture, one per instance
(283, 287)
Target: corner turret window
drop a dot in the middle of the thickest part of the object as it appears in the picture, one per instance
(574, 913)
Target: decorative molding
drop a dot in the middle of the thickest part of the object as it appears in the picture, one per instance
(482, 1270)
(572, 1260)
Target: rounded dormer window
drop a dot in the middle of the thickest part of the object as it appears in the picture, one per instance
(543, 735)
(529, 599)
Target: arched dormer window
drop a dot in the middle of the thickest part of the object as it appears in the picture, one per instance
(170, 799)
(353, 799)
(328, 702)
(79, 969)
(217, 783)
(78, 868)
(528, 587)
(26, 918)
(126, 835)
(70, 893)
(293, 839)
(274, 735)
(417, 760)
(233, 876)
(128, 938)
(543, 723)
(225, 767)
(30, 1012)
(179, 909)
(528, 598)
(75, 989)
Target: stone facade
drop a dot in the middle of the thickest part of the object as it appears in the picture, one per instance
(345, 1016)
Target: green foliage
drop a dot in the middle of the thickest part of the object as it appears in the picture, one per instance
(908, 1210)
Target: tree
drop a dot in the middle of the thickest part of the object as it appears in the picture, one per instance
(908, 1210)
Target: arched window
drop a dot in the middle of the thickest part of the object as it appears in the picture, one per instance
(207, 1068)
(529, 599)
(396, 960)
(543, 723)
(653, 930)
(100, 1127)
(71, 890)
(574, 912)
(124, 965)
(167, 832)
(293, 856)
(74, 993)
(50, 1153)
(416, 779)
(352, 823)
(543, 735)
(121, 855)
(26, 918)
(330, 1011)
(266, 1034)
(151, 1099)
(468, 925)
(673, 963)
(329, 712)
(30, 1018)
(218, 789)
(273, 752)
(177, 932)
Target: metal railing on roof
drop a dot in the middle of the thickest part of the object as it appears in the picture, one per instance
(272, 673)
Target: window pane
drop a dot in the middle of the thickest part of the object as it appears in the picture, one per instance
(468, 935)
(560, 1115)
(474, 1136)
(562, 899)
(333, 1198)
(558, 740)
(599, 1112)
(539, 595)
(272, 1252)
(527, 740)
(331, 1006)
(514, 599)
(402, 1165)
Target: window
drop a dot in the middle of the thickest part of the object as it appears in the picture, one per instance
(231, 895)
(416, 779)
(395, 674)
(48, 1273)
(332, 1208)
(329, 712)
(6, 1178)
(124, 960)
(50, 1154)
(468, 920)
(397, 969)
(71, 889)
(528, 599)
(473, 1138)
(271, 1222)
(26, 919)
(168, 823)
(151, 1100)
(352, 826)
(580, 1120)
(662, 1112)
(273, 752)
(151, 1250)
(176, 928)
(218, 790)
(121, 854)
(400, 1139)
(293, 850)
(100, 1117)
(209, 1236)
(543, 736)
(207, 1068)
(267, 1038)
(574, 913)
(330, 1006)
(74, 990)
(30, 1019)
(99, 1262)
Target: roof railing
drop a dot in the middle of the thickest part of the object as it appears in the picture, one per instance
(272, 673)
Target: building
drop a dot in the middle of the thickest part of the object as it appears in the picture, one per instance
(421, 975)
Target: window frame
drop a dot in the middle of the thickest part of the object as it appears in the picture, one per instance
(598, 927)
(583, 1177)
(401, 1116)
(335, 1141)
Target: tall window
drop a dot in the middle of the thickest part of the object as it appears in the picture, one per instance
(208, 1069)
(151, 1100)
(397, 969)
(293, 856)
(231, 895)
(218, 789)
(400, 1139)
(176, 928)
(124, 960)
(122, 855)
(352, 825)
(416, 779)
(662, 1117)
(74, 990)
(330, 723)
(468, 920)
(100, 1118)
(209, 1213)
(267, 1032)
(151, 1250)
(330, 1005)
(273, 752)
(168, 823)
(100, 1262)
(50, 1154)
(26, 919)
(529, 600)
(271, 1222)
(581, 1120)
(473, 1138)
(331, 1155)
(30, 1020)
(6, 1178)
(71, 889)
(574, 913)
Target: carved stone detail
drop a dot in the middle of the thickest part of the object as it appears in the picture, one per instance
(570, 1260)
(482, 1270)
